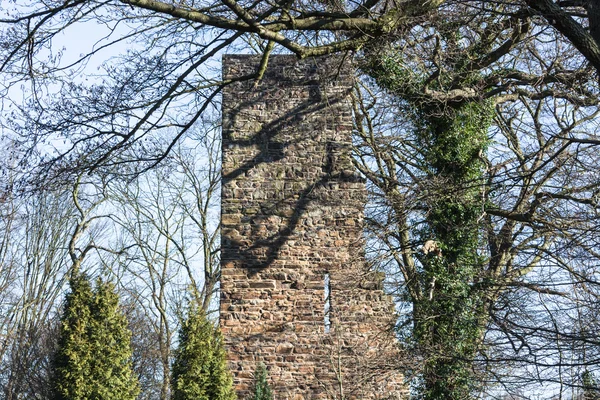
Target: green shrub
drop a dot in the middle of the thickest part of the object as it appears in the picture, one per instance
(200, 366)
(93, 359)
(591, 386)
(262, 391)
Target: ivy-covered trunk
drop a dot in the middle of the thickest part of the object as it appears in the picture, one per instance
(449, 307)
(447, 317)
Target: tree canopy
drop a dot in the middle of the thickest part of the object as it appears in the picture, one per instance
(158, 59)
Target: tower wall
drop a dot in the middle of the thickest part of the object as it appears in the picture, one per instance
(296, 293)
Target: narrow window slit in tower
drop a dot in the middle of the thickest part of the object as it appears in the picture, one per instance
(327, 297)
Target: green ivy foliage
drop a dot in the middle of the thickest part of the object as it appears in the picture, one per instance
(452, 138)
(93, 360)
(262, 390)
(200, 367)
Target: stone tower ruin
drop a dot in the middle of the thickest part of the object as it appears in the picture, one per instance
(296, 292)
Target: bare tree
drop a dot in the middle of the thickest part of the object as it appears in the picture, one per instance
(48, 235)
(167, 222)
(33, 275)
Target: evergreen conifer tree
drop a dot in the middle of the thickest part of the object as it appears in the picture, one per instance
(200, 366)
(93, 359)
(262, 390)
(591, 387)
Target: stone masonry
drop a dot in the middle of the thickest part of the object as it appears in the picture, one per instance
(296, 293)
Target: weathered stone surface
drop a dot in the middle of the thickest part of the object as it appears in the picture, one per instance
(292, 218)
